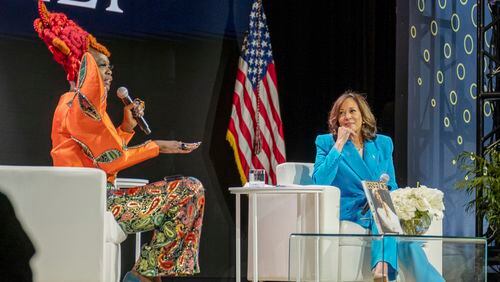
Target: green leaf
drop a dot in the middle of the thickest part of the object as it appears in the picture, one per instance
(87, 107)
(482, 180)
(83, 72)
(86, 150)
(108, 156)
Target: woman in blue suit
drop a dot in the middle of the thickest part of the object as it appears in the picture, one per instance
(351, 153)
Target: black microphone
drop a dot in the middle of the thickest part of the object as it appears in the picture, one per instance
(384, 178)
(122, 93)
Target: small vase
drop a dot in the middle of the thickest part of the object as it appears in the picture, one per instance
(417, 225)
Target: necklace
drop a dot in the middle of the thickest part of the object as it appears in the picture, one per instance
(359, 149)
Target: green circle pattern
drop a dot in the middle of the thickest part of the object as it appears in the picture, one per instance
(421, 5)
(427, 55)
(453, 97)
(446, 122)
(467, 116)
(443, 5)
(413, 31)
(472, 92)
(447, 54)
(460, 71)
(446, 43)
(468, 38)
(455, 18)
(439, 77)
(434, 28)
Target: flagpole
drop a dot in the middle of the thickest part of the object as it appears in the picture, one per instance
(258, 140)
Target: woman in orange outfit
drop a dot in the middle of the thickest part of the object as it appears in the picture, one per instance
(84, 136)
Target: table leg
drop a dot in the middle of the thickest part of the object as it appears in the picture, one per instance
(316, 227)
(238, 239)
(299, 255)
(137, 245)
(255, 241)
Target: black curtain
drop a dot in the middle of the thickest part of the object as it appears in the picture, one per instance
(321, 49)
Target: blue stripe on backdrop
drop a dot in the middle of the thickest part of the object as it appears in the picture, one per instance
(144, 18)
(441, 99)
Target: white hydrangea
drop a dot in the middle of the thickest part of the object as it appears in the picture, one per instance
(409, 200)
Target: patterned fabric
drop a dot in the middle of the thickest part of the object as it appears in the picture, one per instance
(87, 107)
(174, 210)
(84, 136)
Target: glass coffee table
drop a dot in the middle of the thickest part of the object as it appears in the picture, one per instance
(347, 257)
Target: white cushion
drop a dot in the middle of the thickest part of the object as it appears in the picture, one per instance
(63, 211)
(114, 233)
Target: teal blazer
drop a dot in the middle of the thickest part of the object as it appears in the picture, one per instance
(347, 169)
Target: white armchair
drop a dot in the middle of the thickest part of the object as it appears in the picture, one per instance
(279, 216)
(63, 211)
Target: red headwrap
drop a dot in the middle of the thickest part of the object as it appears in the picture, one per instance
(65, 39)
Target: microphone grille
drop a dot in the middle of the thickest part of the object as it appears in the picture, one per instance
(385, 177)
(122, 92)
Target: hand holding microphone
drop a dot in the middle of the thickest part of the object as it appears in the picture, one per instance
(136, 110)
(133, 115)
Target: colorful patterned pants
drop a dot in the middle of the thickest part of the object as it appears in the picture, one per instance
(174, 210)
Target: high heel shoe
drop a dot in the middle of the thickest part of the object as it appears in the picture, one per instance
(380, 278)
(131, 277)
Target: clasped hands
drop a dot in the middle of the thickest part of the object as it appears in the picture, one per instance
(344, 134)
(136, 109)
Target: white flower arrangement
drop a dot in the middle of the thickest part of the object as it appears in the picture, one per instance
(411, 202)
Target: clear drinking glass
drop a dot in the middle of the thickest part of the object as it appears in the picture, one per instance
(256, 177)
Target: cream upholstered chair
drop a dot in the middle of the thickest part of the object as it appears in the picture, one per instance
(279, 216)
(331, 252)
(63, 211)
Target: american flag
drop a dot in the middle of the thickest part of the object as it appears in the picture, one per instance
(255, 130)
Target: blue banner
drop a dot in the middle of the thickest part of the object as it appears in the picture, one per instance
(144, 18)
(442, 98)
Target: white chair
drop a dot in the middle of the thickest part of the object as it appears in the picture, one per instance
(123, 183)
(279, 216)
(63, 211)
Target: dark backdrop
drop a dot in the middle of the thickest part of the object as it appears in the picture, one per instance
(320, 48)
(323, 48)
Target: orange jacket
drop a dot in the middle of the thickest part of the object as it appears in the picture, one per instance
(83, 135)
